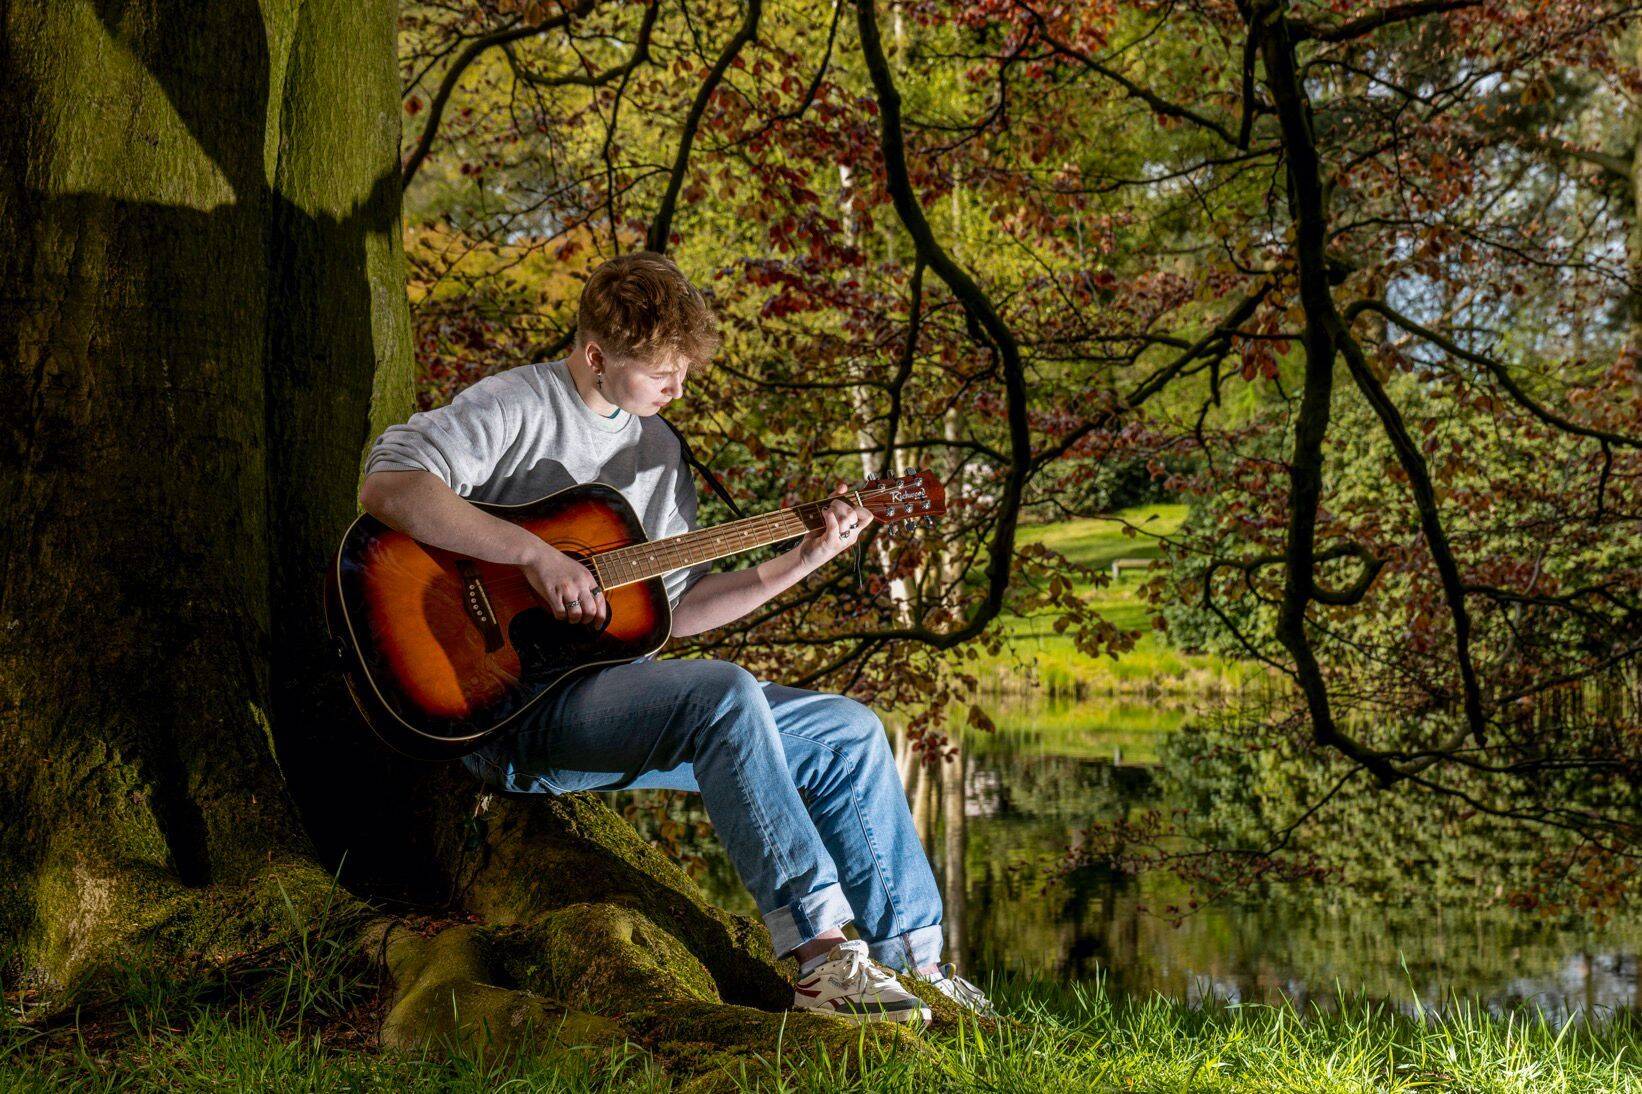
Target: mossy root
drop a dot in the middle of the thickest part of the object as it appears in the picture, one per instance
(444, 999)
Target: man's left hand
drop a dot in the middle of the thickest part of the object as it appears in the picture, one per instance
(844, 525)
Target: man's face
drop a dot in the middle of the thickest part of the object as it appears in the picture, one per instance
(640, 385)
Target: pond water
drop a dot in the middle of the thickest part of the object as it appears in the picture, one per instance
(998, 819)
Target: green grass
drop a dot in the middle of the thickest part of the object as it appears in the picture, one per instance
(1066, 1039)
(1097, 541)
(1034, 651)
(305, 1020)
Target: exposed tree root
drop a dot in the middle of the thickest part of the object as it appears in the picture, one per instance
(593, 938)
(641, 988)
(445, 997)
(93, 921)
(548, 854)
(597, 955)
(591, 943)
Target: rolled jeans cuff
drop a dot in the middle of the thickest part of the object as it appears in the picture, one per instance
(915, 949)
(810, 915)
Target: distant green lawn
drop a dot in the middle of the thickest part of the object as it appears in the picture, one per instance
(1113, 730)
(1098, 541)
(1036, 653)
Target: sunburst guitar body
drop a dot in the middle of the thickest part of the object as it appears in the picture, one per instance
(442, 651)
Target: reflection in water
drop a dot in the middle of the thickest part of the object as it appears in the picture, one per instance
(1000, 815)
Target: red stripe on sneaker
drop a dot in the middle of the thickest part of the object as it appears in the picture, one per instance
(806, 991)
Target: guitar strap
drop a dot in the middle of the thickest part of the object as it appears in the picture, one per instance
(706, 472)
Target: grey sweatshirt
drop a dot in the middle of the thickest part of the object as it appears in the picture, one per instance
(526, 432)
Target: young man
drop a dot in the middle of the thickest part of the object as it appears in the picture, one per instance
(801, 786)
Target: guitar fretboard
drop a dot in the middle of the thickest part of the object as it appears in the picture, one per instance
(641, 561)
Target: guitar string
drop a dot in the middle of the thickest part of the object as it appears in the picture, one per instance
(628, 569)
(680, 551)
(677, 552)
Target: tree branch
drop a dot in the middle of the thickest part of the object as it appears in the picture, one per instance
(978, 307)
(640, 54)
(661, 226)
(1133, 90)
(1306, 202)
(1215, 341)
(1495, 369)
(903, 371)
(441, 97)
(1367, 24)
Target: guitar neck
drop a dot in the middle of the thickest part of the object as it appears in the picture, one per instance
(642, 561)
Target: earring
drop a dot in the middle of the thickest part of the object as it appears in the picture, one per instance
(598, 380)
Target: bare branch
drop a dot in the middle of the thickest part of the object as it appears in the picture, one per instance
(453, 74)
(1367, 24)
(661, 226)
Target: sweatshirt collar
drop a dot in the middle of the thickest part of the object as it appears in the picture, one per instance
(561, 369)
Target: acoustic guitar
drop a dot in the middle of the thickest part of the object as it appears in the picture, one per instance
(443, 652)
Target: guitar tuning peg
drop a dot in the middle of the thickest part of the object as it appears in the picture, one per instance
(928, 520)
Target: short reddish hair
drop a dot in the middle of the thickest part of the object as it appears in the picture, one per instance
(641, 305)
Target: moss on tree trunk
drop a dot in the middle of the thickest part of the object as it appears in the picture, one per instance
(134, 315)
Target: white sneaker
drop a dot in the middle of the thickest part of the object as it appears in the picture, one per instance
(850, 984)
(960, 991)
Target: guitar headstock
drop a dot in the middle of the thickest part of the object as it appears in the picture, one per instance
(909, 497)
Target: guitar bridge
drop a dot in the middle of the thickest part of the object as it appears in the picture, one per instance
(476, 602)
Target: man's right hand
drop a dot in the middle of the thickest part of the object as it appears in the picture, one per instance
(421, 505)
(567, 587)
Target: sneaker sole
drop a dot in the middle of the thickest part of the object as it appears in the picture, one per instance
(906, 1015)
(921, 1016)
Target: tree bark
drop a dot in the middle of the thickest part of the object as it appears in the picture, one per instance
(135, 304)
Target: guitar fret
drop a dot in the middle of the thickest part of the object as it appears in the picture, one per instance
(642, 561)
(627, 565)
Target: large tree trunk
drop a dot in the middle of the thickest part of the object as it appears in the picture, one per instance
(138, 238)
(203, 322)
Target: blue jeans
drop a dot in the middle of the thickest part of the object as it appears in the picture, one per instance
(801, 787)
